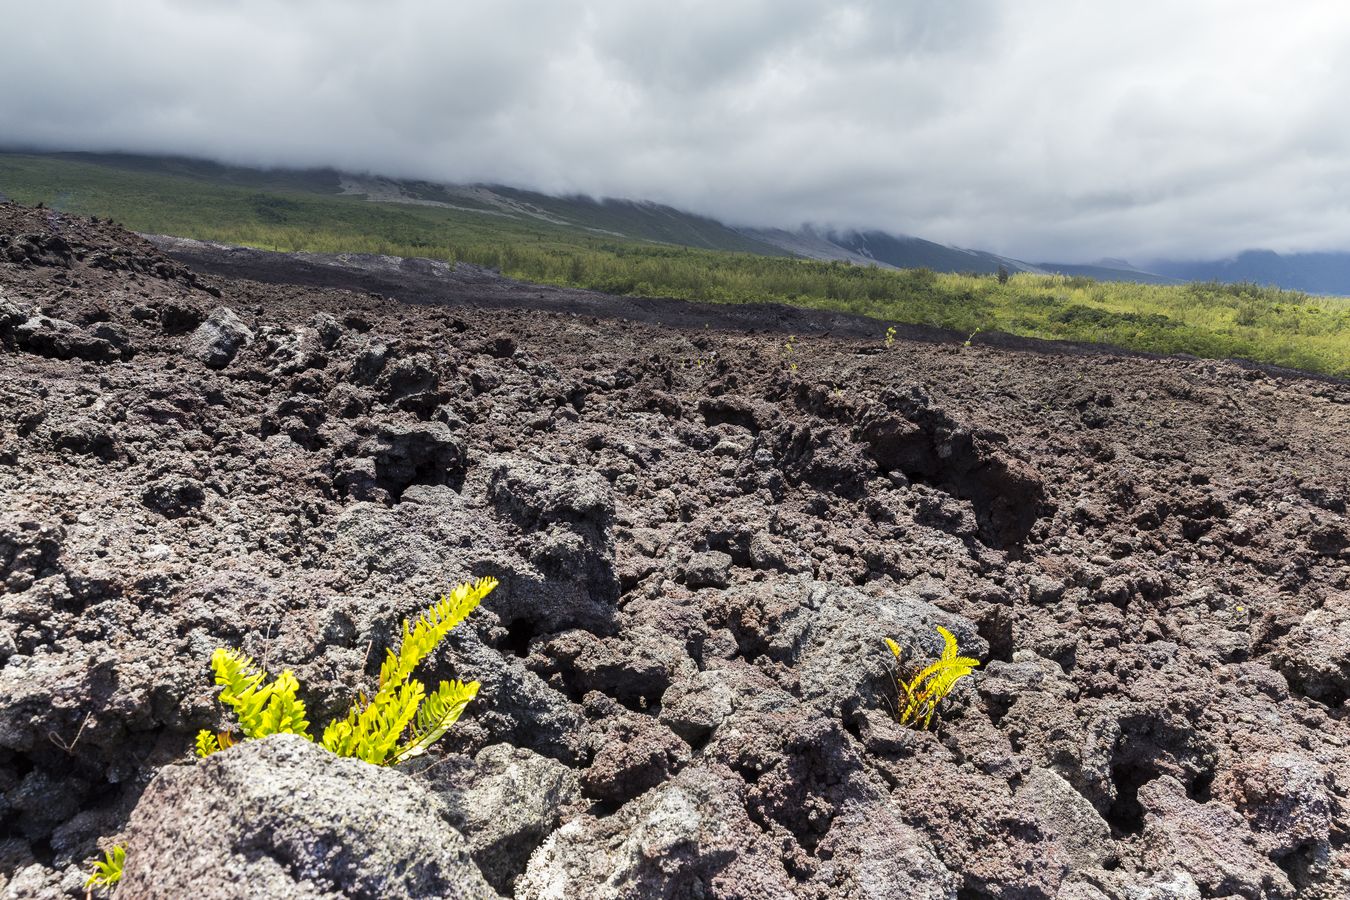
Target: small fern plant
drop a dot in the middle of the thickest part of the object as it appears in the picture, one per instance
(106, 871)
(398, 722)
(921, 695)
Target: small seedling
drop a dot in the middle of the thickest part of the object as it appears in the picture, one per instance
(971, 338)
(921, 695)
(790, 348)
(890, 337)
(1238, 615)
(399, 722)
(106, 871)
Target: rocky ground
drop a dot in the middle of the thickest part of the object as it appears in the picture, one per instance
(702, 539)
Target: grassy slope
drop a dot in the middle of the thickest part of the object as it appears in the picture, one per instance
(294, 211)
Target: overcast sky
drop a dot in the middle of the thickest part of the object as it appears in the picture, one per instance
(1042, 129)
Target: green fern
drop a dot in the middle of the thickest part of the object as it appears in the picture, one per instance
(399, 722)
(438, 713)
(107, 871)
(260, 707)
(374, 729)
(430, 628)
(922, 693)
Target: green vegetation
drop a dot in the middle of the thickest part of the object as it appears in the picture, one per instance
(107, 871)
(302, 211)
(398, 723)
(922, 693)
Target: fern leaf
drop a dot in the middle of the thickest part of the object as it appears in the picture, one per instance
(949, 643)
(391, 720)
(107, 871)
(917, 682)
(926, 690)
(285, 712)
(401, 720)
(339, 738)
(261, 708)
(242, 687)
(439, 711)
(431, 628)
(373, 727)
(207, 743)
(911, 705)
(895, 648)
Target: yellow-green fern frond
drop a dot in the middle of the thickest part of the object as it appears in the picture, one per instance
(439, 711)
(285, 712)
(262, 709)
(431, 628)
(373, 729)
(400, 721)
(923, 692)
(241, 687)
(107, 871)
(207, 743)
(948, 643)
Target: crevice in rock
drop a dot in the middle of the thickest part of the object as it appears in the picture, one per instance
(1302, 865)
(519, 634)
(1126, 815)
(929, 448)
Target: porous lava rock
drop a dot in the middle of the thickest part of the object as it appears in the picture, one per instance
(282, 817)
(684, 691)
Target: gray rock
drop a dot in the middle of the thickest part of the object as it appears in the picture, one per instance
(1043, 589)
(514, 799)
(12, 312)
(677, 840)
(1209, 842)
(328, 330)
(1081, 832)
(290, 351)
(711, 569)
(1315, 655)
(421, 453)
(694, 706)
(284, 818)
(58, 339)
(832, 636)
(557, 506)
(217, 340)
(1288, 800)
(173, 496)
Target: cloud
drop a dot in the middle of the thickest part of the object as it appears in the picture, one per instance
(1042, 129)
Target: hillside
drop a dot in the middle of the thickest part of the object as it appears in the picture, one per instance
(646, 250)
(702, 538)
(101, 183)
(137, 187)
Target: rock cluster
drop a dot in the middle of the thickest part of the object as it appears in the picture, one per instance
(685, 693)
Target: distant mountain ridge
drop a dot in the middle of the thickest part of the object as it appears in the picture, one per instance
(641, 220)
(1316, 273)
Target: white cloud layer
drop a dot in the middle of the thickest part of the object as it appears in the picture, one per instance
(1042, 129)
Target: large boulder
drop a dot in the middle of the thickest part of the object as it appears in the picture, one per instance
(1315, 655)
(217, 340)
(284, 818)
(690, 837)
(511, 799)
